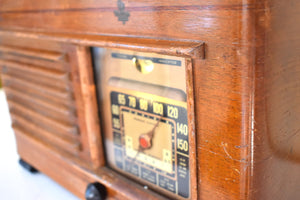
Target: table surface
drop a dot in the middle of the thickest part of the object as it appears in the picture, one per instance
(15, 182)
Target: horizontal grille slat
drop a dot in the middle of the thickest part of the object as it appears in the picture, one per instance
(55, 112)
(47, 122)
(40, 79)
(28, 129)
(36, 128)
(40, 95)
(10, 80)
(36, 70)
(47, 64)
(37, 94)
(35, 53)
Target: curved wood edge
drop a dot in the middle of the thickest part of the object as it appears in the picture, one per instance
(184, 48)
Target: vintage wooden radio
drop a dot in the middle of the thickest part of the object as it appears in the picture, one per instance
(156, 99)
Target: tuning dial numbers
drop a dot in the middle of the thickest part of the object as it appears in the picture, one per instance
(151, 141)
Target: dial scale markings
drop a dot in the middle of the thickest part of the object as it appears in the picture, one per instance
(173, 177)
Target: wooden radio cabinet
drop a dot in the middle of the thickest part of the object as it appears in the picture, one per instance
(147, 99)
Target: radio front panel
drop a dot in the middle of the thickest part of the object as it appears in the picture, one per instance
(143, 105)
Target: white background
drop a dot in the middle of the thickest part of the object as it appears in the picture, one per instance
(15, 182)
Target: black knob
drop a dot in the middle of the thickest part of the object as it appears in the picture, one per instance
(95, 191)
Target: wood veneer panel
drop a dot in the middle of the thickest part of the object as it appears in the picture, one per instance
(153, 23)
(28, 5)
(276, 167)
(235, 86)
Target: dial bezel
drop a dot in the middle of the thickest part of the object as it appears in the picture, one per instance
(192, 141)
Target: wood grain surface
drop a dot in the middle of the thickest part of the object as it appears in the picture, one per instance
(276, 131)
(246, 90)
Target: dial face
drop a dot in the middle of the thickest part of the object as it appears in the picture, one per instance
(144, 109)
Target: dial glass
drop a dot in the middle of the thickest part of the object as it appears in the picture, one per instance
(143, 105)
